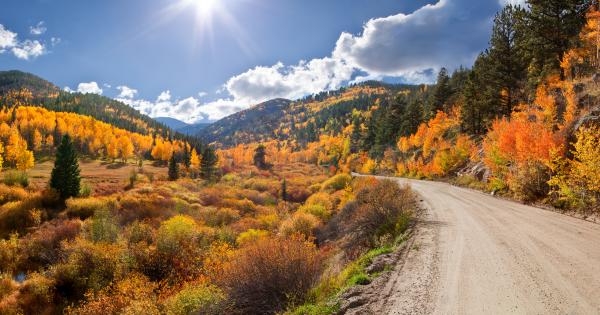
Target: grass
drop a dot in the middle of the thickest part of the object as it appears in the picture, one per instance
(322, 298)
(106, 178)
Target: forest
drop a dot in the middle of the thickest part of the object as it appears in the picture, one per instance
(262, 212)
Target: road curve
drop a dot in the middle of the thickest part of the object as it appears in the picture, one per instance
(477, 254)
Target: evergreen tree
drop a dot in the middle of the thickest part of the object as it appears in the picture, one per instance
(284, 190)
(507, 56)
(412, 118)
(355, 136)
(471, 106)
(173, 168)
(65, 175)
(552, 25)
(208, 165)
(186, 158)
(442, 93)
(259, 157)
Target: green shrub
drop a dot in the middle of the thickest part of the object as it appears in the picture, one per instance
(13, 178)
(317, 210)
(103, 227)
(337, 182)
(175, 233)
(84, 208)
(199, 299)
(85, 190)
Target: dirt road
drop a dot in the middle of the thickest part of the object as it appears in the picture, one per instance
(476, 254)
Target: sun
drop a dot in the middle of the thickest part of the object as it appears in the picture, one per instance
(204, 8)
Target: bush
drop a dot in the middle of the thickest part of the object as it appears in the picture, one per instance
(300, 223)
(176, 233)
(530, 181)
(13, 178)
(139, 232)
(84, 208)
(266, 276)
(85, 190)
(337, 182)
(322, 199)
(196, 299)
(102, 227)
(43, 247)
(133, 295)
(217, 217)
(251, 236)
(317, 210)
(8, 194)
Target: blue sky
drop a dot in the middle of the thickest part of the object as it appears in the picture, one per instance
(199, 59)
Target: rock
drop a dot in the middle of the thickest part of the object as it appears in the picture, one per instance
(379, 264)
(353, 302)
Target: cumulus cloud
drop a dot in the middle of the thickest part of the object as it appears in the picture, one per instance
(25, 50)
(89, 88)
(410, 47)
(522, 3)
(8, 39)
(38, 29)
(29, 49)
(125, 91)
(189, 109)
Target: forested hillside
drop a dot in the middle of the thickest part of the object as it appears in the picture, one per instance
(20, 88)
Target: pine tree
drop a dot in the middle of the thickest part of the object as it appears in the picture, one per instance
(259, 157)
(208, 165)
(442, 93)
(173, 168)
(284, 190)
(412, 118)
(186, 156)
(355, 136)
(507, 56)
(552, 25)
(65, 175)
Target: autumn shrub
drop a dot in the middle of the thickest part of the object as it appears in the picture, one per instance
(322, 199)
(300, 223)
(85, 190)
(337, 182)
(251, 236)
(14, 178)
(298, 193)
(43, 247)
(196, 299)
(266, 276)
(176, 233)
(102, 227)
(88, 266)
(576, 180)
(138, 232)
(529, 182)
(140, 207)
(133, 295)
(9, 254)
(18, 216)
(84, 208)
(244, 206)
(216, 217)
(36, 295)
(8, 194)
(317, 210)
(268, 221)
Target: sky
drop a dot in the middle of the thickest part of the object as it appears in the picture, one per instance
(198, 60)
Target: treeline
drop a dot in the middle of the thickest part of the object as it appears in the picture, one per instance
(525, 47)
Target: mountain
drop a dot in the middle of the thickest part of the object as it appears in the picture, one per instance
(16, 80)
(303, 120)
(172, 123)
(18, 88)
(251, 125)
(183, 127)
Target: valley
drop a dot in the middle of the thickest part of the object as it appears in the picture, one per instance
(461, 190)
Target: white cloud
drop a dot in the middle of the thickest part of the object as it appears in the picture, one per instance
(410, 47)
(8, 39)
(202, 94)
(126, 92)
(25, 50)
(68, 89)
(38, 29)
(89, 87)
(29, 49)
(522, 3)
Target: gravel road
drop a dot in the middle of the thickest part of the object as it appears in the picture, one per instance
(477, 254)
